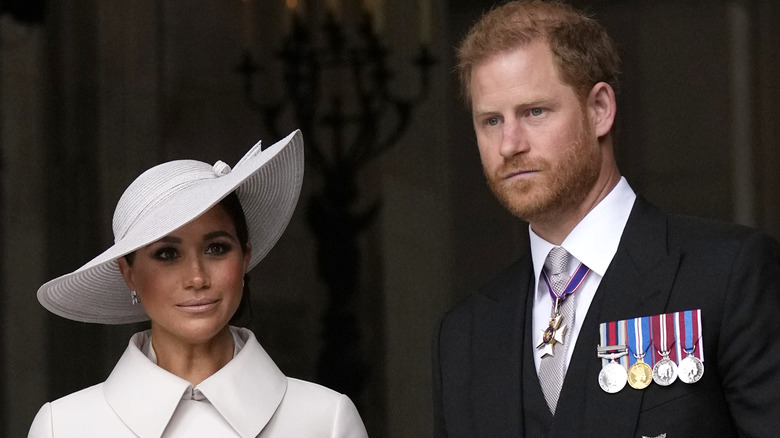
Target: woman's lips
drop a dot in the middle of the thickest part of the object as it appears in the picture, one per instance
(198, 305)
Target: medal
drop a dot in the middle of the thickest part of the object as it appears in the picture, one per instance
(612, 350)
(668, 334)
(552, 335)
(665, 371)
(691, 368)
(556, 330)
(639, 374)
(613, 376)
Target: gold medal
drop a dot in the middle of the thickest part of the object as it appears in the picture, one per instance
(640, 375)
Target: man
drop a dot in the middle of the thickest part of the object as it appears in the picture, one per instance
(512, 360)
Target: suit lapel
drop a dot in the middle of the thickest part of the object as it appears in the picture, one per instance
(637, 283)
(497, 351)
(536, 415)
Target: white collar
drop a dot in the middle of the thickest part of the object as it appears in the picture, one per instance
(148, 351)
(246, 391)
(595, 239)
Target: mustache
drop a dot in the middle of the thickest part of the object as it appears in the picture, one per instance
(516, 164)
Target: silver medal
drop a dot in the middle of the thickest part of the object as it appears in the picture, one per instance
(691, 369)
(665, 372)
(613, 377)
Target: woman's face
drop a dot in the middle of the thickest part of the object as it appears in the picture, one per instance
(190, 282)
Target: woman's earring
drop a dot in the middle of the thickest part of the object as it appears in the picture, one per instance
(134, 297)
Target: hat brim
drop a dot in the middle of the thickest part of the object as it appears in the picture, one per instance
(268, 184)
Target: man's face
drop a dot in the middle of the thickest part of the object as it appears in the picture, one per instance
(538, 150)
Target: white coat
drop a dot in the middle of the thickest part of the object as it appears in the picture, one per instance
(250, 393)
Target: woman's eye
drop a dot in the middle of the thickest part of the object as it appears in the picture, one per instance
(536, 112)
(166, 254)
(493, 121)
(218, 248)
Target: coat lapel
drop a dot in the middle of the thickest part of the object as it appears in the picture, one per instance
(143, 395)
(497, 350)
(248, 390)
(637, 283)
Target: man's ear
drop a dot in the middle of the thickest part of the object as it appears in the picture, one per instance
(601, 107)
(127, 272)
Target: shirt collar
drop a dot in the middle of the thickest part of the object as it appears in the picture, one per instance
(246, 391)
(595, 239)
(147, 349)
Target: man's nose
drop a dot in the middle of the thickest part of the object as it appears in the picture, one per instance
(514, 140)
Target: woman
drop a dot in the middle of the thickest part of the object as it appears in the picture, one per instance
(186, 233)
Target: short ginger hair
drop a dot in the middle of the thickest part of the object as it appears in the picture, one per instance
(583, 52)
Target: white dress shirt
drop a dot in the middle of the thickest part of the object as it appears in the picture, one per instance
(593, 242)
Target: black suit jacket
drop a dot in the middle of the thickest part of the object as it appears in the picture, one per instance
(663, 264)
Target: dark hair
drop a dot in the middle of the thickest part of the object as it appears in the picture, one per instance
(235, 212)
(232, 206)
(584, 54)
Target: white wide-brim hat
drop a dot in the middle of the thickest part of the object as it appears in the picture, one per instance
(168, 196)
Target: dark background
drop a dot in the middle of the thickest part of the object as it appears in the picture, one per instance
(92, 93)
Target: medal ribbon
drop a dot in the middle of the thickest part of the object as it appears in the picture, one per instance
(676, 333)
(661, 327)
(574, 283)
(639, 339)
(688, 327)
(614, 333)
